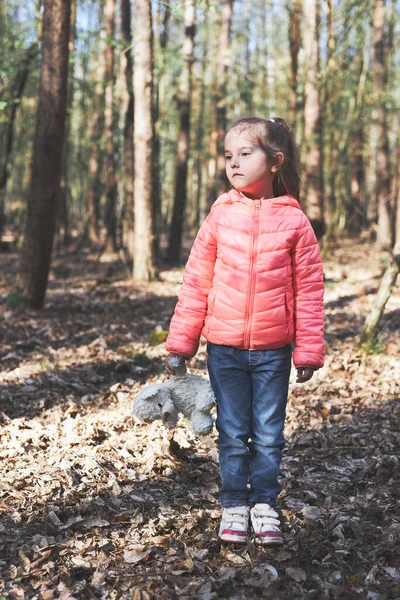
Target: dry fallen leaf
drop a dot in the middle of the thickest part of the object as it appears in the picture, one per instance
(296, 573)
(135, 556)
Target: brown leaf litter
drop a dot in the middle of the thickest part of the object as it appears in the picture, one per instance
(95, 506)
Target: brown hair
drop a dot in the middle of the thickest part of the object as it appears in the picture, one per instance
(273, 136)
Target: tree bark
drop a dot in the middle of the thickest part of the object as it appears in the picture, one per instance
(382, 186)
(397, 195)
(312, 120)
(357, 212)
(217, 181)
(110, 217)
(371, 325)
(95, 157)
(127, 66)
(201, 207)
(64, 186)
(294, 42)
(144, 268)
(184, 104)
(44, 192)
(159, 86)
(14, 103)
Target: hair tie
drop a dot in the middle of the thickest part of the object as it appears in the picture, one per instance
(272, 120)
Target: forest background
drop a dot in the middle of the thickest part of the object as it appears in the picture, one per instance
(111, 124)
(331, 69)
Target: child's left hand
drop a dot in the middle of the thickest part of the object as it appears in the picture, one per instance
(304, 374)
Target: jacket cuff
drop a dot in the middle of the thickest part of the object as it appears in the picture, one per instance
(309, 359)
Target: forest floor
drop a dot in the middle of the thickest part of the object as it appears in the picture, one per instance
(93, 507)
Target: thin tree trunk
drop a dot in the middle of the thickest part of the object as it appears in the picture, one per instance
(47, 154)
(371, 325)
(312, 120)
(247, 90)
(397, 196)
(15, 101)
(294, 41)
(127, 66)
(382, 185)
(329, 118)
(144, 268)
(159, 81)
(184, 103)
(200, 204)
(357, 212)
(64, 186)
(217, 183)
(110, 217)
(95, 158)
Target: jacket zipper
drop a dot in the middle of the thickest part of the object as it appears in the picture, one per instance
(253, 275)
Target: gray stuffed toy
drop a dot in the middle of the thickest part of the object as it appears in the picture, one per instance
(190, 395)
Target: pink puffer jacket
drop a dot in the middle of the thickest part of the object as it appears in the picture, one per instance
(253, 281)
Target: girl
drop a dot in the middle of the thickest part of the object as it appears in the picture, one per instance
(253, 286)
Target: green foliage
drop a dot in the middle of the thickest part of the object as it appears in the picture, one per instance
(374, 345)
(157, 337)
(15, 300)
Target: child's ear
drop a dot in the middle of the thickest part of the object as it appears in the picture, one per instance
(279, 158)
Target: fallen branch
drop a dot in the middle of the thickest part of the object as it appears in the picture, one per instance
(371, 325)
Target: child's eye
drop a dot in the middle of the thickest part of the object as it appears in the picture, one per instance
(245, 153)
(228, 157)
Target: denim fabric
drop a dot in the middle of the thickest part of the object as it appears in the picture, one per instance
(251, 389)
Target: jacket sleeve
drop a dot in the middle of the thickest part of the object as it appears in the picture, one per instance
(190, 311)
(309, 299)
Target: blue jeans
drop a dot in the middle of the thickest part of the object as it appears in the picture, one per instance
(251, 389)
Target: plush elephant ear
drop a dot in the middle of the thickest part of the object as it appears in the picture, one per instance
(149, 392)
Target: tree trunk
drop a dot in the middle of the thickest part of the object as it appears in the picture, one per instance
(329, 116)
(127, 66)
(201, 207)
(184, 103)
(144, 268)
(64, 185)
(294, 41)
(371, 325)
(47, 154)
(159, 85)
(397, 196)
(95, 157)
(217, 182)
(357, 212)
(312, 120)
(14, 103)
(382, 185)
(110, 217)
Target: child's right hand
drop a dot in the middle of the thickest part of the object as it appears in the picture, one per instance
(175, 364)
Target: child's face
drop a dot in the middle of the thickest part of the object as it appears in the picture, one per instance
(247, 166)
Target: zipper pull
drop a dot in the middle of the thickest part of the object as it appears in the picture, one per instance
(258, 204)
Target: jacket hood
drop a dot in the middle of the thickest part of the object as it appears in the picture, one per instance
(234, 196)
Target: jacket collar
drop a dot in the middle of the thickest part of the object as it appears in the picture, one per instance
(234, 196)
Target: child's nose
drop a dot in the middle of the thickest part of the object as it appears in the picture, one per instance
(234, 162)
